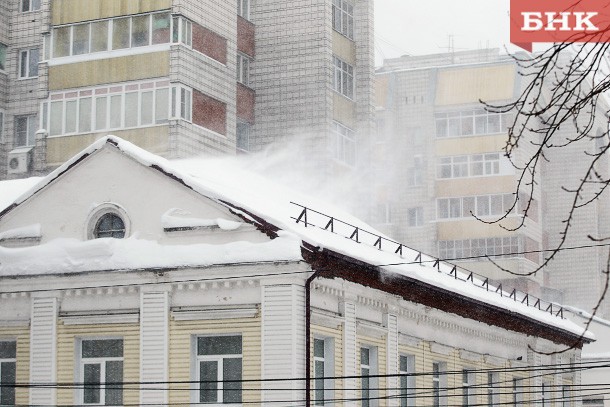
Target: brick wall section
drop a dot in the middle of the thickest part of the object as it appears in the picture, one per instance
(209, 113)
(245, 36)
(245, 103)
(209, 43)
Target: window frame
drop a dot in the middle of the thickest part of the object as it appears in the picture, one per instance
(450, 124)
(415, 216)
(328, 372)
(468, 385)
(517, 391)
(343, 81)
(81, 361)
(27, 73)
(196, 360)
(408, 389)
(243, 143)
(243, 9)
(12, 360)
(32, 6)
(343, 18)
(243, 69)
(30, 133)
(372, 383)
(343, 144)
(439, 384)
(493, 378)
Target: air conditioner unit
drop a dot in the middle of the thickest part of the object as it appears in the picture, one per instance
(19, 160)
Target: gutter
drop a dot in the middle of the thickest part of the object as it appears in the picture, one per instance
(315, 274)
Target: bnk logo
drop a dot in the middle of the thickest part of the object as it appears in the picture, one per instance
(559, 21)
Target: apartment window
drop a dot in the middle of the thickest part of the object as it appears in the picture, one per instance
(30, 5)
(491, 246)
(28, 63)
(323, 371)
(243, 8)
(476, 165)
(493, 380)
(243, 69)
(244, 130)
(482, 205)
(439, 384)
(368, 367)
(109, 225)
(111, 34)
(3, 49)
(107, 107)
(544, 395)
(407, 380)
(343, 78)
(415, 216)
(8, 372)
(517, 391)
(343, 18)
(182, 31)
(219, 369)
(344, 144)
(468, 393)
(182, 102)
(416, 172)
(25, 130)
(566, 398)
(471, 122)
(101, 371)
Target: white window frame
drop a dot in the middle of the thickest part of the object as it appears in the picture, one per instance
(329, 371)
(182, 103)
(439, 384)
(243, 69)
(9, 360)
(27, 74)
(452, 208)
(505, 246)
(343, 144)
(408, 390)
(468, 382)
(463, 166)
(343, 78)
(50, 43)
(28, 6)
(415, 216)
(415, 173)
(94, 94)
(493, 379)
(373, 382)
(517, 391)
(243, 143)
(477, 120)
(343, 18)
(243, 9)
(3, 69)
(219, 359)
(82, 361)
(566, 398)
(30, 138)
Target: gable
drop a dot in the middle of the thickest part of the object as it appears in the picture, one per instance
(156, 206)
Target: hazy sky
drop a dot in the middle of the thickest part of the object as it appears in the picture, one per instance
(423, 27)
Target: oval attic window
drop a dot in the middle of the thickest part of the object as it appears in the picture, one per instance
(109, 225)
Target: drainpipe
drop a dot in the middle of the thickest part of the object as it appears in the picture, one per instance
(308, 337)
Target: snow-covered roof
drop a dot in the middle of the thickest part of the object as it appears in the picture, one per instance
(230, 183)
(11, 190)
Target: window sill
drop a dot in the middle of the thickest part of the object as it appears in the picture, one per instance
(25, 78)
(96, 56)
(109, 131)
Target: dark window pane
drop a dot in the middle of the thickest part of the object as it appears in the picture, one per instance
(318, 348)
(114, 379)
(208, 386)
(91, 383)
(219, 345)
(364, 356)
(8, 349)
(7, 392)
(231, 372)
(110, 348)
(319, 382)
(110, 225)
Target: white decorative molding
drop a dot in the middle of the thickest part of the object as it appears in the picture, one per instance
(94, 318)
(43, 347)
(154, 338)
(15, 323)
(408, 340)
(471, 356)
(214, 312)
(441, 349)
(283, 343)
(325, 318)
(351, 359)
(370, 329)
